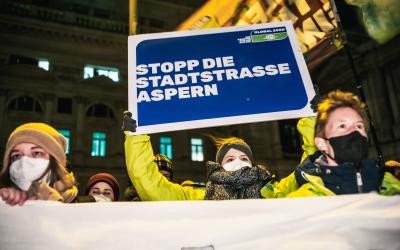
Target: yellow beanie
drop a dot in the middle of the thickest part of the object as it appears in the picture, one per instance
(40, 134)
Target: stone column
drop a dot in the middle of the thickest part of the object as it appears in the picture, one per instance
(3, 108)
(79, 137)
(276, 141)
(49, 99)
(118, 142)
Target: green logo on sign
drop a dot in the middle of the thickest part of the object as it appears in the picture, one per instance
(268, 37)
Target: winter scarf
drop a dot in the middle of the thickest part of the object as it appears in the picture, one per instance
(244, 183)
(62, 190)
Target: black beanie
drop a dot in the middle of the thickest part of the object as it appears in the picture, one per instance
(239, 145)
(163, 163)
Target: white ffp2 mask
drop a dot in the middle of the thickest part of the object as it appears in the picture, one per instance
(26, 170)
(101, 198)
(236, 165)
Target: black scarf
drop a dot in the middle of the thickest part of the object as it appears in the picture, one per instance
(244, 183)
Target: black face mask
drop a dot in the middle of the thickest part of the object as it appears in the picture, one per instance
(352, 147)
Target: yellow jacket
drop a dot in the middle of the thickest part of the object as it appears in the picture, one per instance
(152, 186)
(306, 127)
(144, 174)
(280, 189)
(314, 185)
(288, 184)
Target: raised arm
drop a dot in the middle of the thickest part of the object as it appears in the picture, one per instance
(150, 184)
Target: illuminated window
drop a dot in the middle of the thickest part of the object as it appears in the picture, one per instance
(166, 146)
(44, 64)
(88, 72)
(99, 144)
(41, 63)
(67, 134)
(92, 71)
(197, 149)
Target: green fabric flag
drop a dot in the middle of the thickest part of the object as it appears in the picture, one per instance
(381, 18)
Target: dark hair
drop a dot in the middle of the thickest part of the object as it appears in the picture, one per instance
(55, 173)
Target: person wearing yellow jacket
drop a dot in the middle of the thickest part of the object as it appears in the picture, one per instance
(233, 168)
(143, 171)
(339, 164)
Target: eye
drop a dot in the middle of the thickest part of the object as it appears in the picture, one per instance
(107, 193)
(95, 192)
(360, 126)
(246, 159)
(15, 156)
(342, 125)
(229, 160)
(38, 154)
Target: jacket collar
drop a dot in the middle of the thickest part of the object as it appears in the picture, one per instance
(341, 179)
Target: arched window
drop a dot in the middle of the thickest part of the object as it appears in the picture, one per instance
(100, 110)
(25, 103)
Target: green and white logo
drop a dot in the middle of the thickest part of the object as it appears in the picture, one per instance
(265, 35)
(268, 37)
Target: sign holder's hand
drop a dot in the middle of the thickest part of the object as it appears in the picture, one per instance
(316, 99)
(128, 124)
(13, 196)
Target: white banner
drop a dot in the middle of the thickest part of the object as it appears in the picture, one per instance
(367, 221)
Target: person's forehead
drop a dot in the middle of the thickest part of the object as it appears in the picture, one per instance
(25, 145)
(344, 114)
(102, 185)
(234, 152)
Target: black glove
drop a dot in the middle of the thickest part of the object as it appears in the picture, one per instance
(316, 99)
(128, 124)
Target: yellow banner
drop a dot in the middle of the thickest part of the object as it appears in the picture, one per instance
(314, 21)
(214, 13)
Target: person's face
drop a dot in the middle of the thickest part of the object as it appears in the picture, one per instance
(341, 121)
(166, 174)
(102, 187)
(234, 154)
(28, 149)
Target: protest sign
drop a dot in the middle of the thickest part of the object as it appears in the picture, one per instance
(204, 78)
